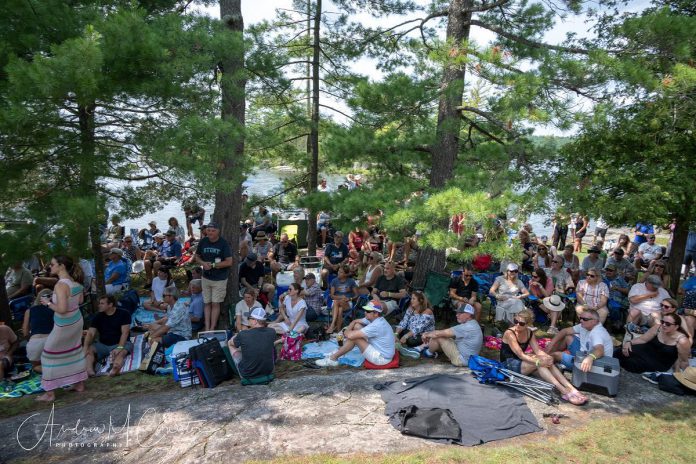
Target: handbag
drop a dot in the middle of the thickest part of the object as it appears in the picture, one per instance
(292, 347)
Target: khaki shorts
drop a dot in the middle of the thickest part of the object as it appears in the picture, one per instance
(214, 291)
(35, 346)
(448, 347)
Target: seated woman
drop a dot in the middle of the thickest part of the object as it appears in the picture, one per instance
(542, 257)
(419, 318)
(541, 287)
(244, 308)
(159, 283)
(292, 316)
(669, 306)
(514, 357)
(659, 269)
(661, 348)
(592, 293)
(688, 306)
(509, 291)
(373, 272)
(37, 324)
(344, 290)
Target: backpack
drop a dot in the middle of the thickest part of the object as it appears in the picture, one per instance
(210, 363)
(129, 301)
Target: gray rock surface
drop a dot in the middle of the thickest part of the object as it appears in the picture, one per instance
(339, 414)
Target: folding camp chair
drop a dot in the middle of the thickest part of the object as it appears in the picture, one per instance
(437, 291)
(492, 372)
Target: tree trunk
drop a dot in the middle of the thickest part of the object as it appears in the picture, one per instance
(5, 313)
(229, 191)
(313, 140)
(677, 252)
(446, 146)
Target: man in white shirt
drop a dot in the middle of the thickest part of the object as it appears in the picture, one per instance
(373, 335)
(645, 299)
(589, 336)
(647, 253)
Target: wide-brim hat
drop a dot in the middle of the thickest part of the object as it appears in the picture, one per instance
(138, 266)
(553, 303)
(687, 377)
(261, 235)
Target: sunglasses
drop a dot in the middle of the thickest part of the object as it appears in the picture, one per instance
(667, 306)
(534, 276)
(585, 319)
(667, 324)
(542, 249)
(660, 265)
(514, 272)
(591, 275)
(468, 275)
(518, 322)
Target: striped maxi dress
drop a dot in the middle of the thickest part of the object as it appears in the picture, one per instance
(62, 359)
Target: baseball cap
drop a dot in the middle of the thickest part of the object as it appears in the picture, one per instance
(610, 267)
(159, 235)
(258, 313)
(117, 251)
(170, 232)
(310, 276)
(213, 225)
(251, 257)
(374, 305)
(466, 308)
(512, 267)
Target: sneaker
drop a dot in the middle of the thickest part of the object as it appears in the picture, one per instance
(552, 330)
(326, 362)
(651, 376)
(410, 352)
(429, 354)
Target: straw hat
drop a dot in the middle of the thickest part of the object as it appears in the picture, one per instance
(687, 377)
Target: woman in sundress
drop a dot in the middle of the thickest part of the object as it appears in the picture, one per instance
(62, 359)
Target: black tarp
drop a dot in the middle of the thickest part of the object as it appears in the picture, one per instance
(484, 412)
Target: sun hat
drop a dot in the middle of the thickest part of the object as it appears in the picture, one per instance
(261, 235)
(553, 303)
(687, 377)
(466, 308)
(138, 266)
(373, 305)
(258, 313)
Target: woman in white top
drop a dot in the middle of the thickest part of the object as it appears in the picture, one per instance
(178, 230)
(243, 309)
(159, 283)
(509, 291)
(292, 313)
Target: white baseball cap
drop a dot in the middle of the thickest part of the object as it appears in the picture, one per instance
(259, 314)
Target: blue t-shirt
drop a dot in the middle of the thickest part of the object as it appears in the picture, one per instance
(214, 253)
(645, 229)
(173, 249)
(336, 254)
(121, 267)
(196, 310)
(344, 288)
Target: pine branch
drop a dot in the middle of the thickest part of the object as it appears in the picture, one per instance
(279, 143)
(527, 42)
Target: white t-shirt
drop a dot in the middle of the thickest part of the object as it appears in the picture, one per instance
(241, 309)
(601, 223)
(158, 286)
(647, 306)
(591, 338)
(380, 336)
(650, 252)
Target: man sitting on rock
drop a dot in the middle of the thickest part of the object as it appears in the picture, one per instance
(645, 299)
(253, 350)
(176, 325)
(589, 336)
(458, 342)
(113, 327)
(373, 335)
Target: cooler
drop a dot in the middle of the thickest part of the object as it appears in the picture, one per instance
(604, 373)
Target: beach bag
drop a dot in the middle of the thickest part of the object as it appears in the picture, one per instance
(292, 348)
(153, 359)
(210, 361)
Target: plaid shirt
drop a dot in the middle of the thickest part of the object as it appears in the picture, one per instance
(314, 297)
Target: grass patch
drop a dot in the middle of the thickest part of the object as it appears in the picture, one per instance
(666, 436)
(98, 388)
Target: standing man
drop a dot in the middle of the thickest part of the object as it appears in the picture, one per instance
(194, 212)
(458, 342)
(215, 256)
(464, 290)
(589, 336)
(113, 327)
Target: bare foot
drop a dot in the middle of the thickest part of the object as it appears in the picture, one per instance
(47, 397)
(91, 373)
(78, 387)
(115, 370)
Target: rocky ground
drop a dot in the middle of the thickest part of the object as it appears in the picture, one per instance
(330, 411)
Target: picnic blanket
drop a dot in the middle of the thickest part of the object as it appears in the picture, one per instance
(27, 386)
(146, 316)
(495, 343)
(317, 350)
(132, 361)
(471, 413)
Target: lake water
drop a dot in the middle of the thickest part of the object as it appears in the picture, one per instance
(268, 182)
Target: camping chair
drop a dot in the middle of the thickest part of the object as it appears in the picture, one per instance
(18, 307)
(485, 281)
(492, 372)
(437, 291)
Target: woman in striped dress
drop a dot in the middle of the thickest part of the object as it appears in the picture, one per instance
(62, 359)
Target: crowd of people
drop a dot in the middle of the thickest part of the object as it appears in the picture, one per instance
(364, 280)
